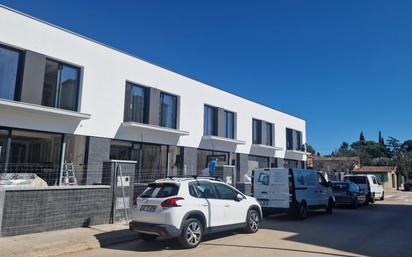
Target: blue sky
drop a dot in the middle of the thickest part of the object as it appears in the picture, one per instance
(343, 66)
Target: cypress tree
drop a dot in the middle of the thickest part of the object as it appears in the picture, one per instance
(361, 137)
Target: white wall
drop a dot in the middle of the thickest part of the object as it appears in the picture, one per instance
(103, 89)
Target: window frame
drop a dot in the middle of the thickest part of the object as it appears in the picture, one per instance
(19, 71)
(257, 131)
(227, 114)
(175, 109)
(145, 101)
(214, 111)
(60, 65)
(269, 134)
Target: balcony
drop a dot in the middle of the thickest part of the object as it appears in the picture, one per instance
(153, 128)
(267, 147)
(223, 140)
(41, 110)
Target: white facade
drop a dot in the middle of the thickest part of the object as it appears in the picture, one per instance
(102, 95)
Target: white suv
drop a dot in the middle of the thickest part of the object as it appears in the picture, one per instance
(188, 208)
(369, 185)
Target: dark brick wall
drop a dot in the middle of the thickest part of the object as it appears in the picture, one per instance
(30, 211)
(98, 151)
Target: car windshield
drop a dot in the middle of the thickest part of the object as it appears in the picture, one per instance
(157, 190)
(356, 179)
(339, 187)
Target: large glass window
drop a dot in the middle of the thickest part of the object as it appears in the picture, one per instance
(4, 135)
(205, 156)
(135, 104)
(256, 131)
(210, 126)
(269, 134)
(9, 66)
(298, 140)
(289, 139)
(61, 85)
(168, 110)
(229, 124)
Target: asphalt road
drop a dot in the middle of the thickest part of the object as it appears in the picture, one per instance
(381, 229)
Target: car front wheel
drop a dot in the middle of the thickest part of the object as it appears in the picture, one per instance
(191, 234)
(252, 222)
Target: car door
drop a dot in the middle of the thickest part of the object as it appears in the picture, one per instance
(310, 190)
(323, 190)
(234, 211)
(216, 207)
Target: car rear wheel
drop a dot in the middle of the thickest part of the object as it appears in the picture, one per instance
(302, 211)
(252, 221)
(192, 233)
(147, 237)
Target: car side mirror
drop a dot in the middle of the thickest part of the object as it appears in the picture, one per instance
(238, 198)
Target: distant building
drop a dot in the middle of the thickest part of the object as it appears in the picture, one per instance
(334, 167)
(386, 174)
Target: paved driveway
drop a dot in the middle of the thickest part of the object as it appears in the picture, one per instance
(382, 229)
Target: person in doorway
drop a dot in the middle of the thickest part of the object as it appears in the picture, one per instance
(212, 167)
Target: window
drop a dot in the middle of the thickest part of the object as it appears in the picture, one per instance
(210, 126)
(205, 189)
(298, 140)
(160, 191)
(135, 103)
(269, 134)
(289, 139)
(229, 124)
(61, 85)
(168, 110)
(256, 131)
(9, 71)
(225, 192)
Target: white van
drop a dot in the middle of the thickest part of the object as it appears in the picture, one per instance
(291, 190)
(369, 185)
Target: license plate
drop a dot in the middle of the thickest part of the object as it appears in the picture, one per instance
(148, 208)
(263, 202)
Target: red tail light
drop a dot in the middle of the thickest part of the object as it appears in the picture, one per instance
(171, 202)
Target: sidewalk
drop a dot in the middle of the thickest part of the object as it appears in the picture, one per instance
(65, 241)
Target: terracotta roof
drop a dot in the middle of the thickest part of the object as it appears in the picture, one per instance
(382, 169)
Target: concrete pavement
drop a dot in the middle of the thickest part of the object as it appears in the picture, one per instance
(382, 229)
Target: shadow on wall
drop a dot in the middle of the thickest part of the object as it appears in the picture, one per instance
(217, 145)
(147, 135)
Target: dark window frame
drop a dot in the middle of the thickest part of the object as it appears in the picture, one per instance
(175, 110)
(214, 120)
(146, 93)
(256, 130)
(19, 73)
(269, 134)
(226, 124)
(60, 64)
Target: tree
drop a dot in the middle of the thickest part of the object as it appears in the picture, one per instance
(344, 150)
(310, 149)
(406, 146)
(394, 145)
(369, 150)
(361, 137)
(381, 141)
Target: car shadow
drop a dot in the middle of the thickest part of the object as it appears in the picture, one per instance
(379, 229)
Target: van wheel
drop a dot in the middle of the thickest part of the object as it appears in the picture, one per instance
(302, 211)
(329, 208)
(373, 198)
(147, 237)
(355, 204)
(383, 196)
(191, 234)
(252, 222)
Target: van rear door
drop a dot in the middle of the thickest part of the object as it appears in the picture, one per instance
(272, 187)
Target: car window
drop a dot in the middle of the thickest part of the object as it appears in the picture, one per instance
(353, 188)
(192, 191)
(356, 179)
(225, 192)
(321, 179)
(157, 190)
(340, 187)
(374, 180)
(205, 190)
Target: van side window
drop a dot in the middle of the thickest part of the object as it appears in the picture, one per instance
(374, 180)
(321, 179)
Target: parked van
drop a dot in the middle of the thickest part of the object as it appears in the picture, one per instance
(295, 191)
(368, 184)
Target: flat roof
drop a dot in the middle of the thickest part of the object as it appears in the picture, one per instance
(137, 57)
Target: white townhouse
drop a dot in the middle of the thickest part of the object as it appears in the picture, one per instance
(67, 98)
